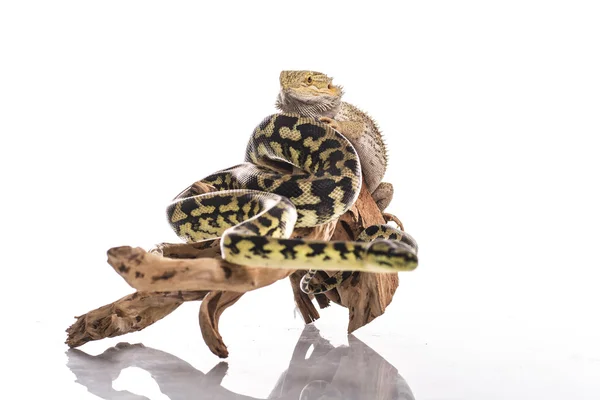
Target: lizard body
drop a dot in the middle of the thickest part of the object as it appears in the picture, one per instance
(312, 94)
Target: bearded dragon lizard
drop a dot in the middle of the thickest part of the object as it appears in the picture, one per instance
(312, 94)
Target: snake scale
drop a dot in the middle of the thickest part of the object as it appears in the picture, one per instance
(298, 172)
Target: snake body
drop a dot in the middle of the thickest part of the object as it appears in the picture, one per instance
(298, 172)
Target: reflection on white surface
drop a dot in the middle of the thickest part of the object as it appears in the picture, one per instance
(317, 371)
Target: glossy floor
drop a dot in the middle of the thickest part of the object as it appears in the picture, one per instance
(403, 354)
(317, 370)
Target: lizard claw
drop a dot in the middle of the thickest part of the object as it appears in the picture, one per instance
(391, 217)
(331, 122)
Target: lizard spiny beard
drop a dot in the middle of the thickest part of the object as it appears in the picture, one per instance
(315, 107)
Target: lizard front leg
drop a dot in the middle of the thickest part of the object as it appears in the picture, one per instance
(383, 195)
(352, 130)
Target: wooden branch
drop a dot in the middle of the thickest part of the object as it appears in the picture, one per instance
(170, 274)
(150, 272)
(128, 314)
(206, 249)
(210, 311)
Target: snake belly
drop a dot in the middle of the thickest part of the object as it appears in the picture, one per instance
(298, 172)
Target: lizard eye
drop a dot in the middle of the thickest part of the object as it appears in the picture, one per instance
(309, 79)
(329, 86)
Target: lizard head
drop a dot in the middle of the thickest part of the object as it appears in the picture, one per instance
(308, 93)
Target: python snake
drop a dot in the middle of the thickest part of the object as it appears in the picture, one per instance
(298, 172)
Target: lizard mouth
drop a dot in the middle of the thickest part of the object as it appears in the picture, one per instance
(305, 96)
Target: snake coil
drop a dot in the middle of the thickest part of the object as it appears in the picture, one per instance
(298, 172)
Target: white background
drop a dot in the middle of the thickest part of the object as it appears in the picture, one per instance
(491, 110)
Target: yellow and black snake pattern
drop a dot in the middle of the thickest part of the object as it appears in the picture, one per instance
(298, 172)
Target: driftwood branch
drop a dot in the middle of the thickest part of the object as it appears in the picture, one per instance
(128, 314)
(210, 311)
(151, 272)
(171, 274)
